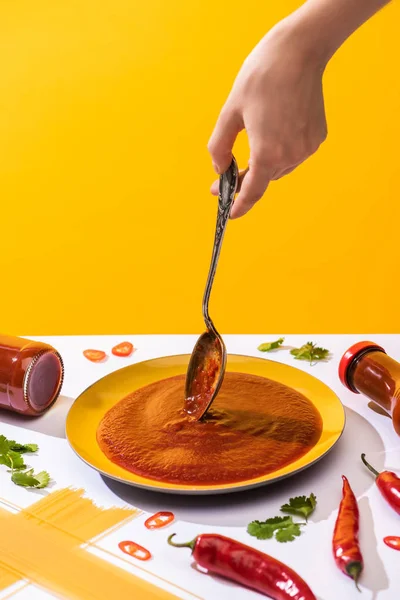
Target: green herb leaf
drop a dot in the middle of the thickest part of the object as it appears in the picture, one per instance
(11, 456)
(301, 506)
(270, 345)
(43, 478)
(23, 448)
(289, 533)
(4, 445)
(13, 460)
(310, 352)
(25, 479)
(264, 530)
(31, 479)
(4, 460)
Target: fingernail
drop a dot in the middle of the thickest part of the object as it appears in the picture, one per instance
(216, 168)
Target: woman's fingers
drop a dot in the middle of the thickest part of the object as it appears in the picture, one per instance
(252, 191)
(228, 126)
(278, 98)
(253, 186)
(284, 172)
(215, 185)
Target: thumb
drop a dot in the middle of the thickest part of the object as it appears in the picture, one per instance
(220, 146)
(254, 184)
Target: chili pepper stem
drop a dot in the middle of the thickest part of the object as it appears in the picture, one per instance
(370, 467)
(183, 545)
(354, 570)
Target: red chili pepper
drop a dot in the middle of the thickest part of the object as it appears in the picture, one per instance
(134, 550)
(247, 566)
(345, 544)
(393, 541)
(159, 520)
(123, 349)
(94, 355)
(388, 484)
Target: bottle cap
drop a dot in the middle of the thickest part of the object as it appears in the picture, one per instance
(43, 380)
(348, 357)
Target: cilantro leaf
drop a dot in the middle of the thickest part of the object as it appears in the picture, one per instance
(43, 478)
(13, 460)
(23, 448)
(24, 478)
(310, 352)
(4, 460)
(270, 345)
(4, 445)
(264, 530)
(289, 533)
(11, 456)
(31, 479)
(300, 506)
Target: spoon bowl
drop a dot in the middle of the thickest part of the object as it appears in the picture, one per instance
(208, 360)
(205, 373)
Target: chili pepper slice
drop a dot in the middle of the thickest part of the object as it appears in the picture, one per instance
(123, 349)
(393, 541)
(345, 544)
(134, 550)
(94, 355)
(159, 520)
(388, 484)
(247, 566)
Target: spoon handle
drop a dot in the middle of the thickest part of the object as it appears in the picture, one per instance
(227, 188)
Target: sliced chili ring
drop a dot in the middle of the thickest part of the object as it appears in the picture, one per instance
(123, 349)
(133, 549)
(393, 541)
(159, 520)
(94, 355)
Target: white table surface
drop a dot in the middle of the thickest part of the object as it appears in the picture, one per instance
(310, 555)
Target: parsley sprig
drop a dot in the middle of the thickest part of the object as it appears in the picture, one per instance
(31, 479)
(284, 528)
(11, 456)
(310, 352)
(300, 506)
(268, 346)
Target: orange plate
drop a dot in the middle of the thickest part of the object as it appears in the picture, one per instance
(90, 407)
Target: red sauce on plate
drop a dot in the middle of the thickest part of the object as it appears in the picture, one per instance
(254, 427)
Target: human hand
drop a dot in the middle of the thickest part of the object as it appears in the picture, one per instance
(277, 98)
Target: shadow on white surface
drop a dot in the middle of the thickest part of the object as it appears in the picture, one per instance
(323, 479)
(378, 409)
(374, 576)
(51, 422)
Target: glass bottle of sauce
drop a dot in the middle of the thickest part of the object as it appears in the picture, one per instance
(366, 369)
(31, 375)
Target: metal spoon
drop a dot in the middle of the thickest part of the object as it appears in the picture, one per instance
(208, 361)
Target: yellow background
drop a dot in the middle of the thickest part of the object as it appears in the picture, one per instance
(106, 219)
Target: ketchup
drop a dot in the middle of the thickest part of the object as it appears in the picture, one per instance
(31, 375)
(366, 369)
